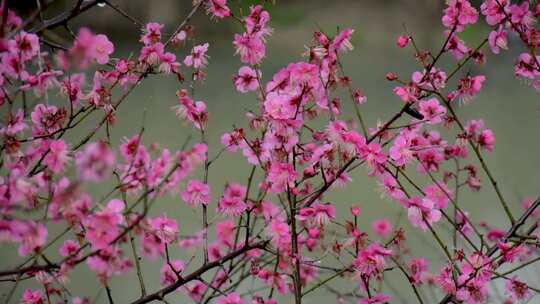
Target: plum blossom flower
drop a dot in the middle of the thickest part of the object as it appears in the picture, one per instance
(318, 215)
(418, 268)
(494, 10)
(88, 47)
(371, 260)
(279, 232)
(469, 87)
(498, 40)
(102, 48)
(527, 67)
(152, 33)
(164, 228)
(341, 42)
(192, 111)
(517, 290)
(382, 227)
(246, 80)
(458, 14)
(232, 298)
(95, 161)
(32, 297)
(107, 262)
(30, 235)
(401, 151)
(486, 140)
(408, 93)
(196, 193)
(278, 106)
(102, 226)
(169, 275)
(57, 157)
(232, 202)
(218, 8)
(281, 177)
(250, 47)
(197, 58)
(422, 212)
(47, 119)
(402, 41)
(25, 44)
(432, 111)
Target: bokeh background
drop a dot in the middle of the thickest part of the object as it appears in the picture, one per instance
(507, 105)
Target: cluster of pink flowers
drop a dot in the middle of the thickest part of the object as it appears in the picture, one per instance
(281, 227)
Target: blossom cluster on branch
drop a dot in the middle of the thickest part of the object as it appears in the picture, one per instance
(276, 237)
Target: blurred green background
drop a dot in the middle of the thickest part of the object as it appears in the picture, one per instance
(507, 105)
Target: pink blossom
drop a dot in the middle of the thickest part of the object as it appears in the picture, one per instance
(246, 80)
(225, 232)
(16, 124)
(280, 233)
(102, 226)
(32, 297)
(408, 93)
(218, 8)
(382, 227)
(281, 177)
(196, 193)
(57, 157)
(68, 248)
(169, 275)
(102, 48)
(494, 10)
(469, 87)
(418, 268)
(497, 40)
(152, 33)
(257, 21)
(371, 261)
(278, 106)
(434, 80)
(192, 111)
(517, 290)
(88, 47)
(107, 262)
(438, 194)
(232, 140)
(196, 290)
(31, 236)
(95, 161)
(432, 111)
(341, 42)
(197, 58)
(486, 140)
(402, 41)
(318, 214)
(527, 67)
(456, 46)
(458, 14)
(232, 298)
(164, 228)
(232, 202)
(390, 187)
(401, 151)
(422, 212)
(26, 45)
(47, 119)
(521, 15)
(250, 47)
